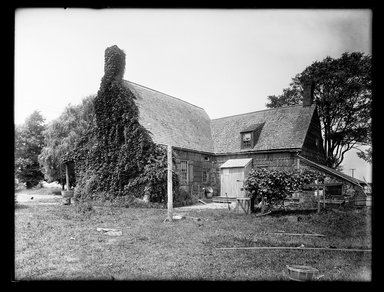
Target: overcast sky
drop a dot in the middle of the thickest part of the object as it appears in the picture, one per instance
(226, 61)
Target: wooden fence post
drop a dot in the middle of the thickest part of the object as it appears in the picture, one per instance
(169, 183)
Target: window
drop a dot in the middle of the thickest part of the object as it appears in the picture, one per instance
(246, 140)
(250, 135)
(205, 176)
(183, 171)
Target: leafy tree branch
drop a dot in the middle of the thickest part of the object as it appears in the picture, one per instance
(343, 95)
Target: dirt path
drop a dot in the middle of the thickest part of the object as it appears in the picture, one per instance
(34, 198)
(42, 196)
(203, 207)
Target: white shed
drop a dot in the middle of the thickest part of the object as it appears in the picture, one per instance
(232, 175)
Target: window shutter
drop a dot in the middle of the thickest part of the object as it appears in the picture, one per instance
(190, 172)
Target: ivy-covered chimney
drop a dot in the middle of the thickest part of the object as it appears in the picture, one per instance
(308, 88)
(114, 65)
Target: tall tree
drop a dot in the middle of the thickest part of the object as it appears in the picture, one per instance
(343, 95)
(61, 137)
(366, 154)
(29, 141)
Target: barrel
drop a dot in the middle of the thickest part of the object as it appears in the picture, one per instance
(301, 273)
(208, 192)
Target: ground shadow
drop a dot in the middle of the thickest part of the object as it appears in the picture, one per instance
(20, 206)
(278, 213)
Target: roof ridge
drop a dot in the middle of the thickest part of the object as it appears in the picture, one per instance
(164, 94)
(263, 110)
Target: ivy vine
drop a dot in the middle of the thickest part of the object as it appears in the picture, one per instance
(118, 156)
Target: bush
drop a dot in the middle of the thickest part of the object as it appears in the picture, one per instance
(86, 186)
(275, 185)
(182, 198)
(153, 180)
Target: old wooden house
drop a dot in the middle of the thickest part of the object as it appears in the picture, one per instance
(216, 154)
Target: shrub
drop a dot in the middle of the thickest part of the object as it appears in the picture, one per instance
(183, 198)
(153, 179)
(276, 185)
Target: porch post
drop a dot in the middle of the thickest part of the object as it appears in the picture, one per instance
(169, 183)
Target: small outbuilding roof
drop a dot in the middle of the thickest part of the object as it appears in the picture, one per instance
(232, 163)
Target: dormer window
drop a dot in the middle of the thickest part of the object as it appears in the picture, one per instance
(246, 140)
(250, 135)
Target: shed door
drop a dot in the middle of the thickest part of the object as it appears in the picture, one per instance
(232, 182)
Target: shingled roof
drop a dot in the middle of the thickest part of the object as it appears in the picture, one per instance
(282, 128)
(332, 171)
(172, 120)
(181, 124)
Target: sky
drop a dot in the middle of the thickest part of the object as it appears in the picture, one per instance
(227, 61)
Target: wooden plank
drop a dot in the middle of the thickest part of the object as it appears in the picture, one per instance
(299, 234)
(294, 248)
(223, 199)
(263, 214)
(204, 203)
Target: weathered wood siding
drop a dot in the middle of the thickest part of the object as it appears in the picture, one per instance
(197, 163)
(272, 160)
(231, 181)
(313, 144)
(275, 160)
(283, 160)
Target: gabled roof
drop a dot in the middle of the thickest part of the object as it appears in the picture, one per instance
(253, 127)
(283, 128)
(181, 124)
(231, 163)
(171, 120)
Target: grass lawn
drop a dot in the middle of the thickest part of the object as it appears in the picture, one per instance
(57, 242)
